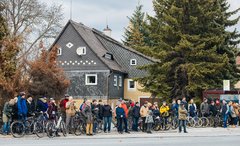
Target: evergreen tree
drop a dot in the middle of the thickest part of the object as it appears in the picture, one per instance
(187, 38)
(136, 34)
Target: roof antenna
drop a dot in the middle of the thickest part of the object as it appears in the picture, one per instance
(70, 9)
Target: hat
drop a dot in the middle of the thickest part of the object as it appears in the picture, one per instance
(182, 103)
(66, 95)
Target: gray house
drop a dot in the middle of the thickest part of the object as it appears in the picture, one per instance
(97, 65)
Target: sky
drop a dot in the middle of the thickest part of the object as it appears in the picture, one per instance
(98, 13)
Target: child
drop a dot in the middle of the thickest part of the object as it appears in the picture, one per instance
(149, 121)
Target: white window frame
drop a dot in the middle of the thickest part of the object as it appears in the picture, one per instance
(115, 82)
(59, 52)
(129, 80)
(120, 81)
(86, 79)
(131, 62)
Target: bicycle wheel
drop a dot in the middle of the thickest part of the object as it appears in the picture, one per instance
(29, 127)
(174, 124)
(39, 129)
(63, 128)
(156, 126)
(78, 130)
(198, 122)
(50, 129)
(17, 129)
(168, 125)
(211, 121)
(205, 122)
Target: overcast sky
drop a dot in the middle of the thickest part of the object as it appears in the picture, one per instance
(94, 13)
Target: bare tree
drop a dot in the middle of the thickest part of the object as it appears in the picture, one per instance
(32, 21)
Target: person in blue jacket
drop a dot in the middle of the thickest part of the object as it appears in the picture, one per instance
(22, 107)
(120, 114)
(42, 105)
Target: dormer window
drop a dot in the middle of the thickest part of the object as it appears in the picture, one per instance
(133, 62)
(59, 51)
(108, 56)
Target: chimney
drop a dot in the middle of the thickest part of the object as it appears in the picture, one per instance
(107, 31)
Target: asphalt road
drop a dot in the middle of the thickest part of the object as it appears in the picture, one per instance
(164, 141)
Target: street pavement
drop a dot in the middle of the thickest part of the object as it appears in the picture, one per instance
(194, 137)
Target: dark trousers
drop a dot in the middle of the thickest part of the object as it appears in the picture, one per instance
(182, 123)
(135, 123)
(119, 124)
(125, 124)
(144, 125)
(107, 123)
(149, 127)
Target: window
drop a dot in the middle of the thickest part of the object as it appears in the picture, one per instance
(133, 62)
(108, 56)
(81, 51)
(115, 80)
(59, 51)
(91, 79)
(120, 81)
(131, 85)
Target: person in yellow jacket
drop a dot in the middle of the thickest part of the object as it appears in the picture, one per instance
(164, 111)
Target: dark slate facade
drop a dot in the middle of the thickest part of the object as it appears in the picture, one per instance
(108, 72)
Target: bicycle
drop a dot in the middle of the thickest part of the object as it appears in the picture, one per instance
(79, 122)
(40, 125)
(22, 127)
(53, 127)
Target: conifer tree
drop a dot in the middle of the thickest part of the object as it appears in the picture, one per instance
(187, 38)
(136, 34)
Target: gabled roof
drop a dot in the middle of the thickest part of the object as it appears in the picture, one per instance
(122, 45)
(91, 38)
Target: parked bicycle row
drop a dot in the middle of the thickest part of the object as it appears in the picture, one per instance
(21, 116)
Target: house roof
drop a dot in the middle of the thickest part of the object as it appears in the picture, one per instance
(88, 36)
(93, 38)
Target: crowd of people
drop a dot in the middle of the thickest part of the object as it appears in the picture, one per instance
(125, 113)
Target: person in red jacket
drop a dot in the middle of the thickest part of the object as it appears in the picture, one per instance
(62, 105)
(124, 106)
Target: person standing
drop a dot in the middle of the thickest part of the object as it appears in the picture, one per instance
(70, 113)
(204, 108)
(143, 113)
(149, 121)
(7, 116)
(182, 116)
(22, 107)
(164, 111)
(192, 108)
(125, 118)
(87, 112)
(62, 106)
(235, 108)
(107, 117)
(213, 111)
(120, 114)
(135, 115)
(30, 106)
(232, 114)
(52, 109)
(225, 111)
